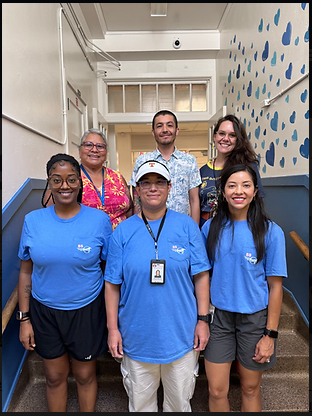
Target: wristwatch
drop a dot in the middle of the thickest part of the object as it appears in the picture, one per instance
(206, 318)
(21, 315)
(271, 333)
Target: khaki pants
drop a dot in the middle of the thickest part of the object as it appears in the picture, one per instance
(141, 381)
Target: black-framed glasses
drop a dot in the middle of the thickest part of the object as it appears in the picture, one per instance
(99, 146)
(161, 184)
(56, 181)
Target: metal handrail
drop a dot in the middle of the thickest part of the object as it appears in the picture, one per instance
(300, 244)
(9, 308)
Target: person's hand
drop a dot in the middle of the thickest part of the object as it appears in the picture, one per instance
(202, 334)
(114, 342)
(264, 350)
(26, 335)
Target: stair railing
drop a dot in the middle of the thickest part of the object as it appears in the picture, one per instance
(300, 244)
(9, 308)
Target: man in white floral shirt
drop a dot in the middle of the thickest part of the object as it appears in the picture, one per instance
(184, 171)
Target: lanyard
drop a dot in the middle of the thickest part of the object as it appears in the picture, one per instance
(151, 232)
(102, 197)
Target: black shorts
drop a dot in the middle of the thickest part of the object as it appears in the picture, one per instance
(82, 333)
(235, 335)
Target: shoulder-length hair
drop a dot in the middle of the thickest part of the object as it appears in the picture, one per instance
(257, 217)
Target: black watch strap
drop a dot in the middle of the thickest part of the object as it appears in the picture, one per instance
(206, 318)
(271, 333)
(21, 315)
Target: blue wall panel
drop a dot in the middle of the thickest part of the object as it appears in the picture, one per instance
(27, 199)
(287, 202)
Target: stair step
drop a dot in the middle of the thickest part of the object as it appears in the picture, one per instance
(279, 394)
(285, 387)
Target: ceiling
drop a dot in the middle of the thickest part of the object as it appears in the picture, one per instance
(125, 17)
(111, 20)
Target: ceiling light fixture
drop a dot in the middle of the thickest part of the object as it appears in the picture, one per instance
(158, 9)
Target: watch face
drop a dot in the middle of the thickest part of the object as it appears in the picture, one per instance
(21, 315)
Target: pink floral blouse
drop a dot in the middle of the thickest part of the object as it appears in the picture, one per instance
(116, 202)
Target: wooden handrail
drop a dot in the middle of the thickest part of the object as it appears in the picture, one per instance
(300, 244)
(9, 308)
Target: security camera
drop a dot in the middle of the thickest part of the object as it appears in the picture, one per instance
(176, 44)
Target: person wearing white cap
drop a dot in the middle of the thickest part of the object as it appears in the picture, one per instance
(157, 322)
(183, 168)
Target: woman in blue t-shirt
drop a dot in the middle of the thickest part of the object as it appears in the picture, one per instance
(157, 325)
(63, 249)
(247, 253)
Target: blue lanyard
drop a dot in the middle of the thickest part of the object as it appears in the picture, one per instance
(102, 197)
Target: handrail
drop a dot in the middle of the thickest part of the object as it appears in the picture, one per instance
(9, 308)
(300, 244)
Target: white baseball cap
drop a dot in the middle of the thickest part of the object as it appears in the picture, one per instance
(152, 166)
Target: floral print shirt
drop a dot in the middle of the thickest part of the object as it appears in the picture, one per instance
(116, 201)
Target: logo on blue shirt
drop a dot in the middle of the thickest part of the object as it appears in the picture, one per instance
(86, 249)
(179, 250)
(250, 258)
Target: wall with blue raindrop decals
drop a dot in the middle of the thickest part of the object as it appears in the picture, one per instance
(264, 50)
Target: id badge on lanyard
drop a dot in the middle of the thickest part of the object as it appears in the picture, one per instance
(158, 268)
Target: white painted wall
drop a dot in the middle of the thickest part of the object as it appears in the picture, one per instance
(32, 89)
(261, 45)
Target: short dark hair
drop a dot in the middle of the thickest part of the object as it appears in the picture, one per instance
(164, 113)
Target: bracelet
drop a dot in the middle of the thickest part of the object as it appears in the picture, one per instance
(24, 320)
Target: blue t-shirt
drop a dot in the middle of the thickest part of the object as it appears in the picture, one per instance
(66, 255)
(238, 284)
(157, 322)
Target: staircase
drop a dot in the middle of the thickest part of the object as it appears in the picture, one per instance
(285, 387)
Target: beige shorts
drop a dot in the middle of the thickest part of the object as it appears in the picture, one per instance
(141, 382)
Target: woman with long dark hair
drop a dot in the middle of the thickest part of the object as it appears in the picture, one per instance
(247, 253)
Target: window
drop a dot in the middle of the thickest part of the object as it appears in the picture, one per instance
(149, 99)
(115, 99)
(152, 97)
(182, 97)
(132, 99)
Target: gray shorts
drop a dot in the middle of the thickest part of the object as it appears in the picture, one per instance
(235, 335)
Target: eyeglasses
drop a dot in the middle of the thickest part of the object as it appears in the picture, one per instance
(56, 181)
(99, 146)
(222, 134)
(161, 184)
